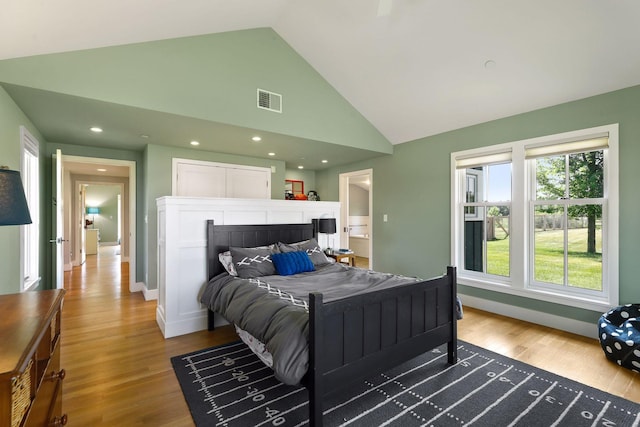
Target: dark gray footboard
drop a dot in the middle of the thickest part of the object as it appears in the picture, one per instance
(352, 338)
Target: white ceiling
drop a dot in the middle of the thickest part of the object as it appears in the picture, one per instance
(415, 71)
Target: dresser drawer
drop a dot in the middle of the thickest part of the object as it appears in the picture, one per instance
(44, 407)
(30, 374)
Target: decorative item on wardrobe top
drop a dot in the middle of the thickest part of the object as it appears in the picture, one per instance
(294, 190)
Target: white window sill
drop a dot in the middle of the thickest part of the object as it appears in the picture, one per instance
(30, 285)
(542, 295)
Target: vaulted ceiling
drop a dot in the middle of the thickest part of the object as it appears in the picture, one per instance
(412, 68)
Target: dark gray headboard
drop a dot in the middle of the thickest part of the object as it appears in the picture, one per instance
(221, 237)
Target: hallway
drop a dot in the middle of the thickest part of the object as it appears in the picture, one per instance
(118, 371)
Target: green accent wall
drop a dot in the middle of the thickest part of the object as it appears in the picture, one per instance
(11, 118)
(358, 201)
(212, 77)
(104, 197)
(413, 188)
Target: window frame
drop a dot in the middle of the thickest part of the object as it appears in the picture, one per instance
(30, 233)
(519, 282)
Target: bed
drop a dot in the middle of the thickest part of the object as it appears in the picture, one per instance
(354, 337)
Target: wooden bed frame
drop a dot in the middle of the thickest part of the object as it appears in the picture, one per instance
(356, 337)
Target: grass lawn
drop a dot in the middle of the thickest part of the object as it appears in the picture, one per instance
(585, 270)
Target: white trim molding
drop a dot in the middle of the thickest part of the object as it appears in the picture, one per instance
(149, 294)
(520, 279)
(579, 327)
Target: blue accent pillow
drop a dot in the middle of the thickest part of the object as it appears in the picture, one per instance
(292, 263)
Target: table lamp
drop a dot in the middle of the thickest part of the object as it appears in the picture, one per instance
(327, 226)
(13, 203)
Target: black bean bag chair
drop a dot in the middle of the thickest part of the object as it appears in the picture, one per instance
(619, 332)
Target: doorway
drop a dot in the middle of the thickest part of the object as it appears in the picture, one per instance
(102, 212)
(84, 172)
(356, 203)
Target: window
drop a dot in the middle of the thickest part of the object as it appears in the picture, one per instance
(30, 233)
(538, 218)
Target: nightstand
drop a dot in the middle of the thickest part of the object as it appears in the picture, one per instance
(343, 258)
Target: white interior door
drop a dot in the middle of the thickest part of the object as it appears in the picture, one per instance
(81, 226)
(58, 217)
(196, 178)
(248, 183)
(199, 180)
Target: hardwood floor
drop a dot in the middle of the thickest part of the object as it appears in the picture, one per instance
(572, 356)
(119, 373)
(117, 362)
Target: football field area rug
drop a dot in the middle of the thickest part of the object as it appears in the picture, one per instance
(229, 386)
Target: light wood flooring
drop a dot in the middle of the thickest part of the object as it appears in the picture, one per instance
(119, 373)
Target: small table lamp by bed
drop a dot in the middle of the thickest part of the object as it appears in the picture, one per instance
(13, 203)
(327, 226)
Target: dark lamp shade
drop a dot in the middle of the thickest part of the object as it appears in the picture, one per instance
(93, 211)
(13, 204)
(327, 225)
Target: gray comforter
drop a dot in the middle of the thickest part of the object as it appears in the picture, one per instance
(274, 308)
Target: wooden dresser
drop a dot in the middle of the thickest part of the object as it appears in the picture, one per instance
(30, 374)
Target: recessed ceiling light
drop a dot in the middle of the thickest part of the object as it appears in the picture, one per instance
(101, 170)
(300, 167)
(490, 64)
(95, 129)
(194, 143)
(271, 154)
(325, 161)
(256, 139)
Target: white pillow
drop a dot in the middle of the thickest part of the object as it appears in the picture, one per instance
(227, 262)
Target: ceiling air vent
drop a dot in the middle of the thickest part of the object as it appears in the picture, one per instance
(269, 101)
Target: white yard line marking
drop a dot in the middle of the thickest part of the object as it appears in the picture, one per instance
(416, 385)
(497, 402)
(601, 414)
(566, 411)
(533, 404)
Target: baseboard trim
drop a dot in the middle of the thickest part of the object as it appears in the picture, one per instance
(149, 294)
(136, 287)
(550, 320)
(181, 327)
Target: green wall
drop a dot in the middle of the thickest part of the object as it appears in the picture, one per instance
(212, 77)
(358, 201)
(416, 239)
(107, 220)
(11, 118)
